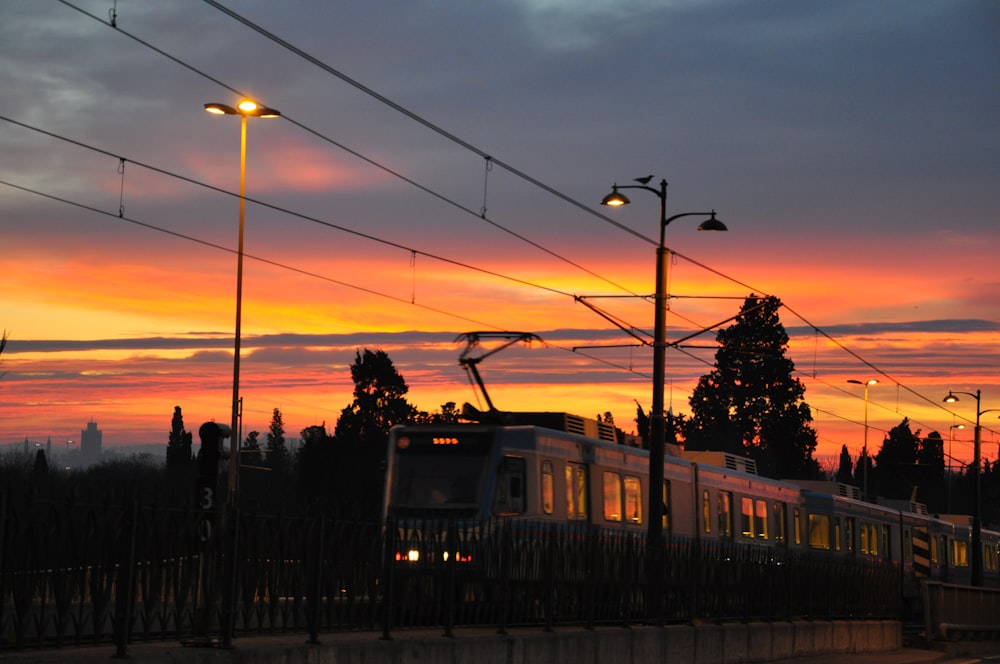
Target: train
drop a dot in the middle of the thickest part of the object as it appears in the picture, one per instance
(559, 468)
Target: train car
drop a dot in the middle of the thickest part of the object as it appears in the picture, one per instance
(737, 504)
(558, 468)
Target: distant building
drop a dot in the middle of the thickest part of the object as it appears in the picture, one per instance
(90, 443)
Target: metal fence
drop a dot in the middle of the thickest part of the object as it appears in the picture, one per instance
(73, 574)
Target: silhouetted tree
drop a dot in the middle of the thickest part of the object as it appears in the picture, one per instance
(750, 404)
(379, 400)
(252, 455)
(41, 469)
(930, 472)
(448, 414)
(896, 463)
(277, 453)
(178, 445)
(642, 425)
(3, 344)
(362, 432)
(315, 466)
(844, 474)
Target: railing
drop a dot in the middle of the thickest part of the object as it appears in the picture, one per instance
(73, 574)
(954, 612)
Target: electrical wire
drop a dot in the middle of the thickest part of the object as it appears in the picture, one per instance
(449, 136)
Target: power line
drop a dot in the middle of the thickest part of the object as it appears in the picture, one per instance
(374, 163)
(465, 145)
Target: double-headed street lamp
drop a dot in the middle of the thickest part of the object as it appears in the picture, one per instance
(245, 109)
(868, 383)
(657, 427)
(977, 495)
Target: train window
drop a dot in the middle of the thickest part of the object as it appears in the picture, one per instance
(836, 533)
(706, 510)
(869, 539)
(849, 534)
(990, 557)
(885, 542)
(819, 531)
(960, 553)
(780, 521)
(509, 498)
(612, 496)
(932, 544)
(576, 491)
(797, 525)
(760, 519)
(943, 549)
(633, 499)
(548, 488)
(746, 514)
(725, 501)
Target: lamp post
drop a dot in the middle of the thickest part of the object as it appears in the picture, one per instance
(246, 108)
(868, 383)
(657, 427)
(977, 490)
(951, 440)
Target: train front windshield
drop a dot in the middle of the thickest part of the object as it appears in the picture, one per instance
(433, 471)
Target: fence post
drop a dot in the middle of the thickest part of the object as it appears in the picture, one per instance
(318, 601)
(389, 574)
(451, 564)
(126, 578)
(506, 556)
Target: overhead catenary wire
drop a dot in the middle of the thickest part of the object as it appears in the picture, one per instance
(514, 171)
(374, 163)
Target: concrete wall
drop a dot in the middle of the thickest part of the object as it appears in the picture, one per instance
(702, 644)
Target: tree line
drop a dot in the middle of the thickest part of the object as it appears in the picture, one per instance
(749, 404)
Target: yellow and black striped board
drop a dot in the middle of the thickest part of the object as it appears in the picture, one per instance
(921, 553)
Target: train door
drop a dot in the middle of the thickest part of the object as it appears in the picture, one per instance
(509, 498)
(576, 492)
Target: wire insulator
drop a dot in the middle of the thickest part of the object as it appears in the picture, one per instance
(121, 194)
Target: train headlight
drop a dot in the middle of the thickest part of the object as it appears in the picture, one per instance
(410, 556)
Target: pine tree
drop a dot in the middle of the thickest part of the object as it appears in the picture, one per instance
(750, 404)
(896, 463)
(277, 453)
(844, 471)
(178, 445)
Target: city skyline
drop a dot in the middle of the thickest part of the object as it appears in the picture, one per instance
(852, 150)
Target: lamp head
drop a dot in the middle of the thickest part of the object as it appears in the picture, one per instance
(220, 109)
(246, 107)
(951, 398)
(870, 381)
(712, 224)
(615, 199)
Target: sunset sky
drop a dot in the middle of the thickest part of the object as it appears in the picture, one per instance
(438, 169)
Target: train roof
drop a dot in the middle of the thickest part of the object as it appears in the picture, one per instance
(722, 460)
(830, 488)
(557, 421)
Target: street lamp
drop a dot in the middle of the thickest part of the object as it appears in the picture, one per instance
(868, 383)
(246, 108)
(951, 440)
(977, 495)
(657, 426)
